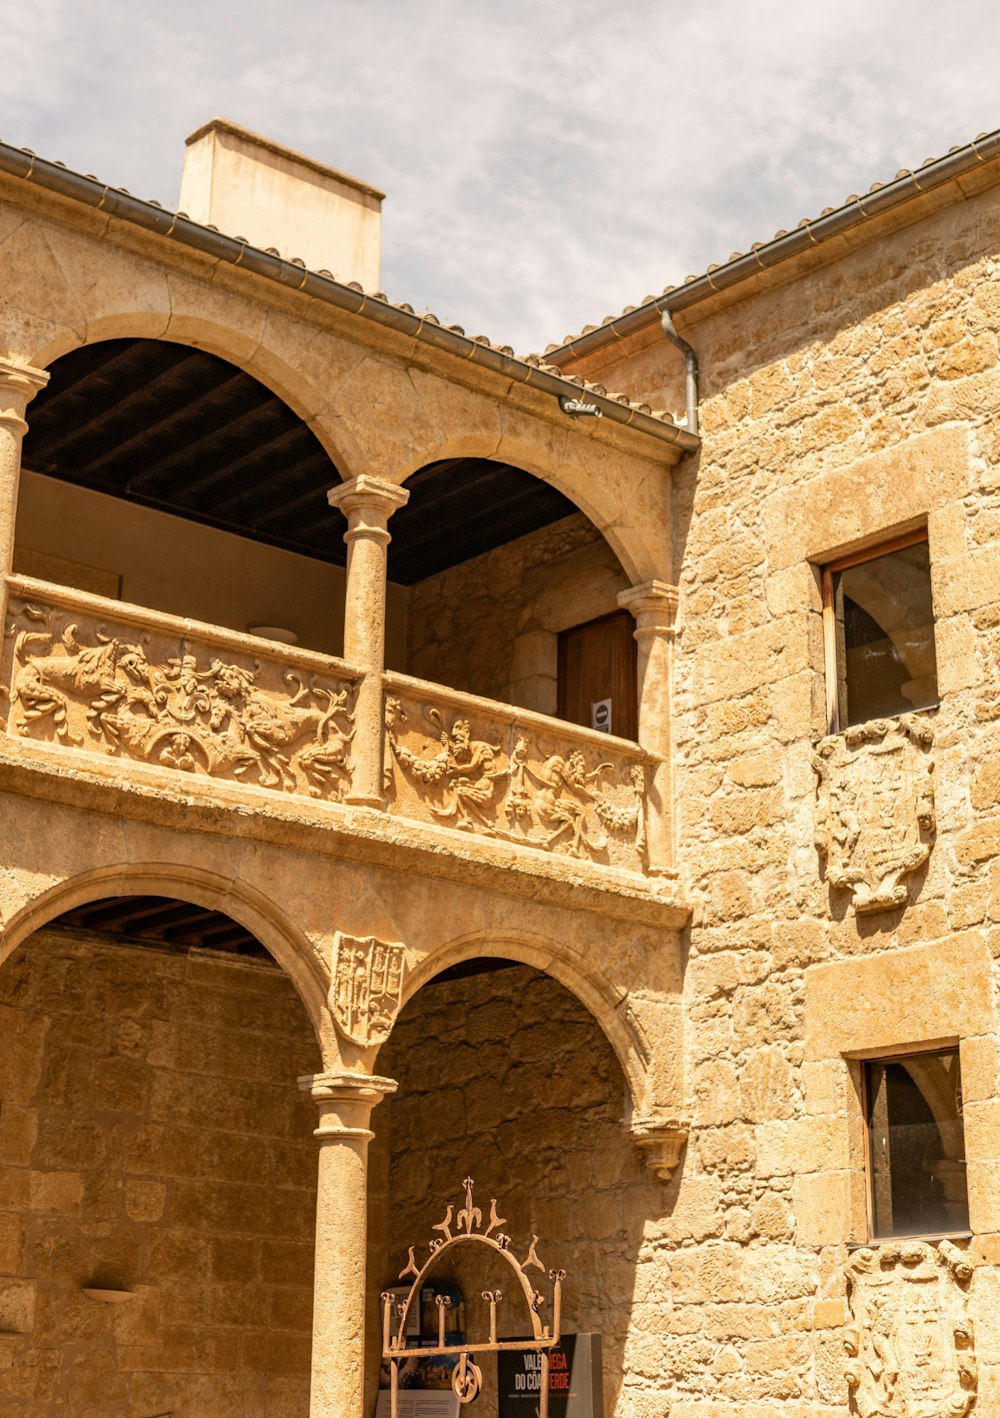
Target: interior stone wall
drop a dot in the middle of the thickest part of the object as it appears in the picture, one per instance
(488, 626)
(153, 1139)
(505, 1077)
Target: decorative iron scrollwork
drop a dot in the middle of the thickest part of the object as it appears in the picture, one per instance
(467, 1378)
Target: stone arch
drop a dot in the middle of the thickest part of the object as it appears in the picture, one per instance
(533, 1117)
(600, 499)
(606, 1005)
(247, 905)
(228, 342)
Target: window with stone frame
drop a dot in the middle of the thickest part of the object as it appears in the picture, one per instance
(878, 619)
(916, 1145)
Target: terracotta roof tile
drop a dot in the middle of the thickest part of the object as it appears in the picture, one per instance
(756, 246)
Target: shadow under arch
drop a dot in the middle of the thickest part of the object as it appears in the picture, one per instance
(514, 1079)
(597, 501)
(252, 356)
(603, 1003)
(246, 905)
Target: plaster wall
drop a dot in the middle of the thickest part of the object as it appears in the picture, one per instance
(271, 196)
(170, 564)
(153, 1139)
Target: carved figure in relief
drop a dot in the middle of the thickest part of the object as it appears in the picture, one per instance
(215, 720)
(110, 674)
(562, 800)
(875, 808)
(910, 1350)
(464, 770)
(557, 804)
(367, 987)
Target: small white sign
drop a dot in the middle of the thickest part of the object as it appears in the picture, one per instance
(600, 716)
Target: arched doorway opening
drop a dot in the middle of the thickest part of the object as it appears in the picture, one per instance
(506, 1077)
(157, 1218)
(513, 594)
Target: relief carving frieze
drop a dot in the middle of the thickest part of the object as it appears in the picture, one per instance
(159, 699)
(516, 782)
(910, 1342)
(367, 987)
(875, 808)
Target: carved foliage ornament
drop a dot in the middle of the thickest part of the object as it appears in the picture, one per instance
(367, 987)
(509, 784)
(875, 808)
(910, 1343)
(191, 710)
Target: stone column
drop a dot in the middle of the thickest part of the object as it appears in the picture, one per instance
(345, 1103)
(654, 606)
(19, 383)
(368, 503)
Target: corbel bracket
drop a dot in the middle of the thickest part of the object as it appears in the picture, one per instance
(662, 1140)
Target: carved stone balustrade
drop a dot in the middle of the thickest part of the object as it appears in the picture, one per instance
(98, 676)
(470, 764)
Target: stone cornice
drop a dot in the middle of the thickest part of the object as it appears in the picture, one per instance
(87, 783)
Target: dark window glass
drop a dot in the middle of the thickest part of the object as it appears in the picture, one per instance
(916, 1146)
(884, 623)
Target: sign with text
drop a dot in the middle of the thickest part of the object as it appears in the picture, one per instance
(576, 1381)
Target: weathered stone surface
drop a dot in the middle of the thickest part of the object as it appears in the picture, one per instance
(147, 1114)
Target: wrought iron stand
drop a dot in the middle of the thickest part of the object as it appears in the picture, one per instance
(467, 1378)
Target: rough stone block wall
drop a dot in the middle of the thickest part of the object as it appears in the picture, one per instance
(505, 1077)
(837, 408)
(153, 1139)
(476, 626)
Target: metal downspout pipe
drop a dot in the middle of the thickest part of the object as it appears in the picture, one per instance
(690, 370)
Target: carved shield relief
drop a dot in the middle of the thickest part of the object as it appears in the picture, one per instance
(875, 808)
(910, 1343)
(367, 987)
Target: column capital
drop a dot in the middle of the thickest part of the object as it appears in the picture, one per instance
(19, 383)
(345, 1101)
(653, 603)
(368, 503)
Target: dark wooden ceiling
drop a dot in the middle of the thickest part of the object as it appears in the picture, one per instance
(163, 921)
(182, 431)
(180, 926)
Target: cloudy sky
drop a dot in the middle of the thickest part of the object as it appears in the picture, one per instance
(545, 164)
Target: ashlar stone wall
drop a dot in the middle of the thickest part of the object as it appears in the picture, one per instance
(489, 626)
(854, 401)
(153, 1139)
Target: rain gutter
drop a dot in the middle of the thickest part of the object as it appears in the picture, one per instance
(117, 202)
(765, 255)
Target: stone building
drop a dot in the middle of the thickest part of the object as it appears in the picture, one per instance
(606, 794)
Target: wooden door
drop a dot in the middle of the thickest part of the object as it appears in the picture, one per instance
(597, 675)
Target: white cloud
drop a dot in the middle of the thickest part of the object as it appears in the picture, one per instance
(545, 164)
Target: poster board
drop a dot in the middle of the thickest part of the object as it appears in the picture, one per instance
(576, 1380)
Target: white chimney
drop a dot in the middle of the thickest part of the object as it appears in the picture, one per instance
(248, 186)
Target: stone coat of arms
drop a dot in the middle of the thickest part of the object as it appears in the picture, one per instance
(875, 808)
(910, 1344)
(367, 988)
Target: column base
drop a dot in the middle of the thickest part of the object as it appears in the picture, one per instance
(374, 800)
